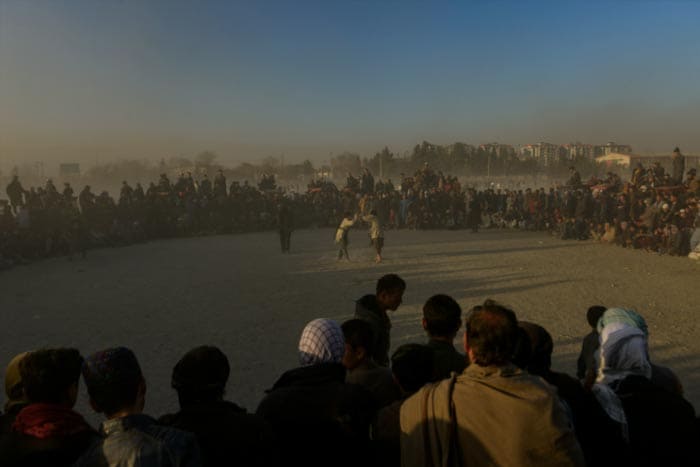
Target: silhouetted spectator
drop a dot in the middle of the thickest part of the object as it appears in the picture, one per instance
(47, 431)
(226, 433)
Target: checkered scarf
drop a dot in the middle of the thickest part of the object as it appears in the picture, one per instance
(322, 341)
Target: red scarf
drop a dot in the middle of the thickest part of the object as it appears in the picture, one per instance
(49, 420)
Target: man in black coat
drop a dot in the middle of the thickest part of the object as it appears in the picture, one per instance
(318, 419)
(226, 433)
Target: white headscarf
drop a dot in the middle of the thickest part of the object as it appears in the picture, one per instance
(623, 352)
(322, 341)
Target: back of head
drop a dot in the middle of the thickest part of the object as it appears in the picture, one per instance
(412, 366)
(492, 333)
(522, 350)
(358, 333)
(593, 315)
(624, 351)
(442, 315)
(112, 377)
(322, 341)
(389, 283)
(541, 347)
(48, 374)
(201, 375)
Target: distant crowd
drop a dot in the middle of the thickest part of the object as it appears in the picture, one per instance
(350, 402)
(655, 210)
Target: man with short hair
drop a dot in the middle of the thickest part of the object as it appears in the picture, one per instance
(492, 414)
(376, 234)
(442, 318)
(226, 433)
(361, 367)
(373, 309)
(116, 388)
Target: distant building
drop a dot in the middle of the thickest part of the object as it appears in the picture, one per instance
(612, 148)
(574, 151)
(544, 153)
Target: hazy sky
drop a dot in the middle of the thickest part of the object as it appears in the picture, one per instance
(100, 79)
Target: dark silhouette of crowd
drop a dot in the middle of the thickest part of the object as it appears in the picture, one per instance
(655, 210)
(351, 402)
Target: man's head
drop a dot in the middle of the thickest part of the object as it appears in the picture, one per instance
(491, 333)
(593, 315)
(541, 347)
(51, 376)
(359, 342)
(412, 366)
(114, 381)
(442, 316)
(201, 376)
(390, 289)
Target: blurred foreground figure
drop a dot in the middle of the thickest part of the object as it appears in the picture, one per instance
(318, 419)
(46, 431)
(658, 424)
(129, 438)
(492, 414)
(227, 435)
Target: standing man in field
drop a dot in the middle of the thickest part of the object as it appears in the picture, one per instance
(341, 235)
(678, 167)
(376, 233)
(285, 222)
(373, 309)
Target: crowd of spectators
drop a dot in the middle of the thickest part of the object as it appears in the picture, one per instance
(654, 210)
(350, 403)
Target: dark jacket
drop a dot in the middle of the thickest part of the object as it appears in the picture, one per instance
(662, 425)
(7, 418)
(586, 358)
(378, 381)
(26, 451)
(226, 434)
(367, 309)
(21, 450)
(600, 437)
(138, 441)
(318, 419)
(446, 359)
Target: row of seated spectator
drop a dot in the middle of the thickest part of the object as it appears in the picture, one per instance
(42, 221)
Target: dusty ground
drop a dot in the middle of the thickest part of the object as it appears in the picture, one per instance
(239, 293)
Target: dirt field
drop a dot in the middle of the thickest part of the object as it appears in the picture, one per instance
(239, 293)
